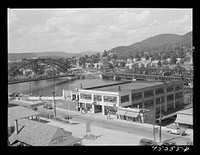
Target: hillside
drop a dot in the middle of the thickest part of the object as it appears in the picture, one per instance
(155, 43)
(52, 54)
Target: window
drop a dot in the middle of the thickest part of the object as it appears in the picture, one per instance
(111, 99)
(148, 93)
(97, 98)
(178, 87)
(170, 88)
(178, 95)
(170, 97)
(136, 96)
(124, 98)
(148, 104)
(136, 105)
(86, 96)
(159, 91)
(160, 100)
(170, 106)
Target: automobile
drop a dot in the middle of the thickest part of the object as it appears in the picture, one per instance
(146, 142)
(174, 129)
(168, 143)
(48, 106)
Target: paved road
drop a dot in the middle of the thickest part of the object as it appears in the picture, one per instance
(121, 125)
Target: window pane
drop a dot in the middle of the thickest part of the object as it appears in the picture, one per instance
(148, 93)
(97, 98)
(170, 89)
(124, 98)
(159, 91)
(136, 96)
(111, 99)
(86, 96)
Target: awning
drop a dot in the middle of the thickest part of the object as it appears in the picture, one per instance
(120, 112)
(184, 119)
(131, 114)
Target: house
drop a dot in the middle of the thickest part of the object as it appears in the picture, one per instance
(19, 112)
(32, 133)
(185, 118)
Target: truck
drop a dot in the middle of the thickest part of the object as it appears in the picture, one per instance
(175, 129)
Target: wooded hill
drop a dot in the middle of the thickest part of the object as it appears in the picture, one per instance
(157, 44)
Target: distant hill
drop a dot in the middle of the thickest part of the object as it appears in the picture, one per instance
(155, 43)
(52, 54)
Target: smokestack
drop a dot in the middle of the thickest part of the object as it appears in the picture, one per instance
(16, 126)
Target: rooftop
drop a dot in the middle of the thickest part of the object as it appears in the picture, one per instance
(39, 134)
(17, 112)
(127, 86)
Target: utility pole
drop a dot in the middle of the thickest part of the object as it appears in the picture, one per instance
(54, 103)
(154, 136)
(160, 119)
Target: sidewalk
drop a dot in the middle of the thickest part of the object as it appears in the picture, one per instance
(112, 118)
(102, 135)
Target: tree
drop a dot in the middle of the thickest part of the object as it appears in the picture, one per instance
(105, 53)
(173, 60)
(122, 64)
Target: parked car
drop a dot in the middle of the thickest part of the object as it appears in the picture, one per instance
(174, 129)
(48, 106)
(168, 143)
(146, 141)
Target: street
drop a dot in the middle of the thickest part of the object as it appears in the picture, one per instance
(142, 130)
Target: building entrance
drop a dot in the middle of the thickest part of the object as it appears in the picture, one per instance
(97, 108)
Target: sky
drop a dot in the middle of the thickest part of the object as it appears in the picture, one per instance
(76, 30)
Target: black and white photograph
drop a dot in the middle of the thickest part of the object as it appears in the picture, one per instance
(100, 77)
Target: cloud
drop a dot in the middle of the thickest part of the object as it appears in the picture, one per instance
(180, 21)
(12, 18)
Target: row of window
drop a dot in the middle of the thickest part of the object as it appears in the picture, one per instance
(158, 91)
(112, 99)
(135, 96)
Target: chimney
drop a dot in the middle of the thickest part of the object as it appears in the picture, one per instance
(16, 126)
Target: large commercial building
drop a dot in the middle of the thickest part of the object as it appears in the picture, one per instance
(146, 96)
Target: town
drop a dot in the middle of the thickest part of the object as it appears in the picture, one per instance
(137, 95)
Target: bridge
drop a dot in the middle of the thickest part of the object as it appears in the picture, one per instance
(116, 76)
(34, 65)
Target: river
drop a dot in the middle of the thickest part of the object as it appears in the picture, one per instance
(47, 87)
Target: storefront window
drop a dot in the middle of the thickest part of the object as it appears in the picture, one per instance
(112, 99)
(136, 96)
(97, 98)
(86, 96)
(148, 93)
(159, 91)
(124, 98)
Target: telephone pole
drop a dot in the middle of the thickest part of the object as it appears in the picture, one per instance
(54, 103)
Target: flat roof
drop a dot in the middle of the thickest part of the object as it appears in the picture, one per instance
(128, 86)
(186, 111)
